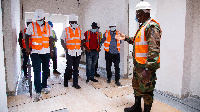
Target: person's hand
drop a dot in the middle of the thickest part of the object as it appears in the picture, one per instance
(98, 50)
(28, 52)
(121, 36)
(146, 74)
(88, 50)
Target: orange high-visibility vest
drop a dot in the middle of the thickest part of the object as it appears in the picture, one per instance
(40, 39)
(141, 46)
(108, 39)
(23, 39)
(87, 42)
(73, 41)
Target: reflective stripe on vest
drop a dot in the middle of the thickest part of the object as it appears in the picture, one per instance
(108, 39)
(87, 42)
(73, 41)
(141, 46)
(40, 38)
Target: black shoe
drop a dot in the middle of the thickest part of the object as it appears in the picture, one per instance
(76, 86)
(66, 84)
(97, 75)
(118, 83)
(87, 80)
(94, 80)
(109, 81)
(56, 72)
(136, 107)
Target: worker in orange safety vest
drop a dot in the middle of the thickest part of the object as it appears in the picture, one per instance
(146, 57)
(23, 47)
(92, 47)
(112, 52)
(71, 41)
(41, 35)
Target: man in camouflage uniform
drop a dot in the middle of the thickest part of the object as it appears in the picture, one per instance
(146, 56)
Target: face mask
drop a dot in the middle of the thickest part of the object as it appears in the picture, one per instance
(74, 26)
(40, 22)
(136, 19)
(93, 30)
(112, 28)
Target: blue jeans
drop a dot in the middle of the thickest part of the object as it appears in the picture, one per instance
(91, 60)
(37, 59)
(25, 61)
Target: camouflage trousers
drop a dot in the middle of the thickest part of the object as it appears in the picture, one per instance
(143, 89)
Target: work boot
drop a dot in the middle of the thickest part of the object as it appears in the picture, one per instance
(97, 75)
(56, 72)
(76, 86)
(118, 83)
(147, 108)
(136, 107)
(108, 80)
(94, 80)
(88, 79)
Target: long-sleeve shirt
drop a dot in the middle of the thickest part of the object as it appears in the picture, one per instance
(153, 34)
(113, 43)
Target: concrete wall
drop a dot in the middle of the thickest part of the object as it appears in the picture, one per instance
(172, 21)
(11, 28)
(195, 54)
(3, 97)
(105, 12)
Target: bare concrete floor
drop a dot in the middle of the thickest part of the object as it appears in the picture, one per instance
(92, 97)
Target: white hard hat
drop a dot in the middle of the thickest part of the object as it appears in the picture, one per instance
(112, 23)
(29, 20)
(98, 24)
(143, 5)
(39, 14)
(73, 17)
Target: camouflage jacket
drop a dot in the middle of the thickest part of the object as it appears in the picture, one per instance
(153, 34)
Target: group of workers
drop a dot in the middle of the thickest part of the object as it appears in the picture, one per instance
(38, 41)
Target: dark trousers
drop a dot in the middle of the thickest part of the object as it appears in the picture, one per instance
(72, 61)
(115, 58)
(91, 58)
(54, 58)
(37, 59)
(25, 61)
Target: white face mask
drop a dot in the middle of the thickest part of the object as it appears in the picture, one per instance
(74, 26)
(40, 22)
(93, 30)
(112, 28)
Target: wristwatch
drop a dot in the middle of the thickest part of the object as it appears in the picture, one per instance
(146, 68)
(52, 50)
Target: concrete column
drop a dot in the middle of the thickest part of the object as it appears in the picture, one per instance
(3, 97)
(11, 29)
(193, 43)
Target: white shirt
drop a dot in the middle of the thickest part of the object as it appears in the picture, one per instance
(29, 31)
(75, 52)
